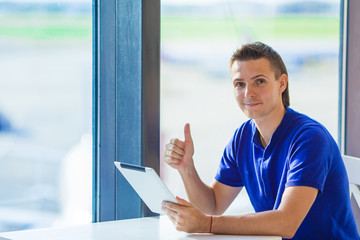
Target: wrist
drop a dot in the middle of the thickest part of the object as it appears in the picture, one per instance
(206, 225)
(188, 170)
(211, 224)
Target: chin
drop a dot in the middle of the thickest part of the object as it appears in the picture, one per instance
(250, 114)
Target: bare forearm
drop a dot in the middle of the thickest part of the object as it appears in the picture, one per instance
(285, 221)
(199, 194)
(263, 223)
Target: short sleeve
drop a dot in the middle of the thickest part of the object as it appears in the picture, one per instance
(309, 159)
(228, 172)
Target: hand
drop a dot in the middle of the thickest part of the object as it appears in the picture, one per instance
(186, 217)
(178, 154)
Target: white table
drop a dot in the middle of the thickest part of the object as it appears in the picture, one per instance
(152, 228)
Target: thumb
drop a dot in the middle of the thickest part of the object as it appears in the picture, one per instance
(183, 202)
(187, 134)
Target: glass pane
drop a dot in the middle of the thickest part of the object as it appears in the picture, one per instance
(197, 41)
(45, 113)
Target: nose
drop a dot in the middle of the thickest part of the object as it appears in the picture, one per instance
(249, 91)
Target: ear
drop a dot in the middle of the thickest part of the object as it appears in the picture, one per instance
(283, 80)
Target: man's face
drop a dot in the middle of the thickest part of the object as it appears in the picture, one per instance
(256, 90)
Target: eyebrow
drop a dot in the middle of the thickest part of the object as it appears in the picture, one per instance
(260, 75)
(255, 77)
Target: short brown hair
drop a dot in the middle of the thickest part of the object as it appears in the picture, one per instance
(257, 50)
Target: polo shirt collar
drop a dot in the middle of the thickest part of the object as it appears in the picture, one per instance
(279, 132)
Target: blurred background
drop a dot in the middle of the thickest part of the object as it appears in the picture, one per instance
(45, 113)
(46, 84)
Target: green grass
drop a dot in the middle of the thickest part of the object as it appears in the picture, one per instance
(46, 27)
(49, 27)
(224, 28)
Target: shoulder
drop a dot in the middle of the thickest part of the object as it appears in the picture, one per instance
(298, 119)
(246, 129)
(303, 126)
(241, 136)
(307, 134)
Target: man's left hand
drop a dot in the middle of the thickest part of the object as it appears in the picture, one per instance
(186, 217)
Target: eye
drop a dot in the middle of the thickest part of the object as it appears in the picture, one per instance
(239, 84)
(260, 81)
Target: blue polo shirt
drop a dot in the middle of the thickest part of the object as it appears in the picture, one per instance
(301, 153)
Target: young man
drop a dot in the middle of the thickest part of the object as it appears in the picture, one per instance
(289, 164)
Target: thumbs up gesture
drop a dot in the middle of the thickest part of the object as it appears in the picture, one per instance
(178, 154)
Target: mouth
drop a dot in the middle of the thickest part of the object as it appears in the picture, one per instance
(251, 104)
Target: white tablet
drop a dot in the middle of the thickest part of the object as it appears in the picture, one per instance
(147, 185)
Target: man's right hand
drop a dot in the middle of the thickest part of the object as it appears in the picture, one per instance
(178, 154)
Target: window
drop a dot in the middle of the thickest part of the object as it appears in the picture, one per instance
(45, 113)
(350, 89)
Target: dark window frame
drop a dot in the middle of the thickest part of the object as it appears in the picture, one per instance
(126, 101)
(349, 85)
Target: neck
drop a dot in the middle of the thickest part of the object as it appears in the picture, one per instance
(269, 124)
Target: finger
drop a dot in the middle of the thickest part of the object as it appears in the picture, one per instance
(177, 142)
(187, 134)
(183, 202)
(176, 208)
(171, 214)
(172, 218)
(171, 147)
(168, 211)
(172, 161)
(173, 154)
